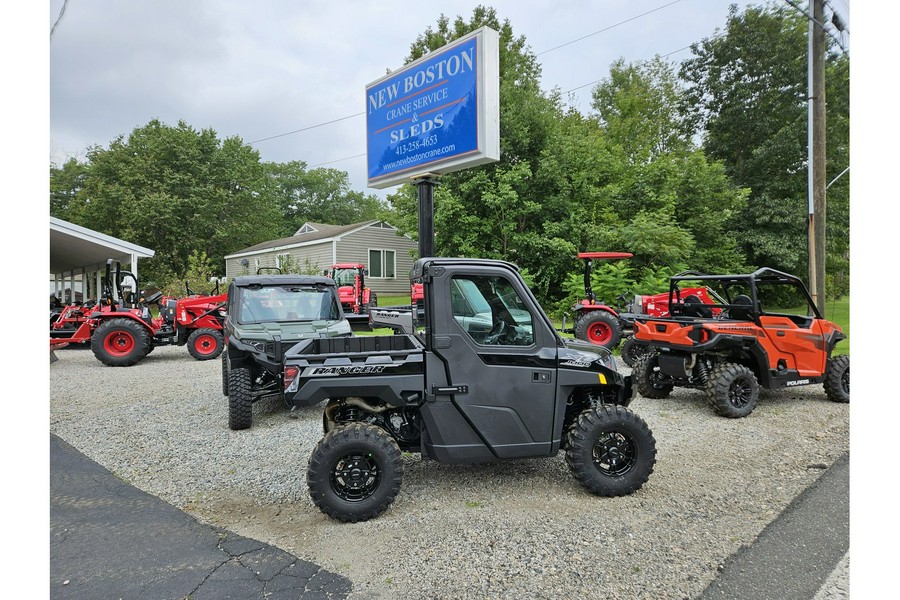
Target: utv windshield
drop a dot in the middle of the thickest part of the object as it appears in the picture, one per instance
(287, 303)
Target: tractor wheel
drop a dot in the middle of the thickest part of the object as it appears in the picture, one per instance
(225, 373)
(610, 450)
(120, 342)
(599, 327)
(631, 351)
(837, 379)
(355, 472)
(732, 390)
(240, 401)
(648, 378)
(206, 343)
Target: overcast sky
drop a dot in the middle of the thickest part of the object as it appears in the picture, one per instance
(262, 69)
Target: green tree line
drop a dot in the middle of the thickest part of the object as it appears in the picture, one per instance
(698, 165)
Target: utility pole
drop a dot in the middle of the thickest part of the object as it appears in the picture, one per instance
(816, 149)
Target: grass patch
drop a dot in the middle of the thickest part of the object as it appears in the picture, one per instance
(402, 300)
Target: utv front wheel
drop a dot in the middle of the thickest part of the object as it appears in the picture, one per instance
(732, 390)
(610, 450)
(120, 342)
(599, 327)
(649, 381)
(355, 472)
(837, 379)
(240, 400)
(205, 344)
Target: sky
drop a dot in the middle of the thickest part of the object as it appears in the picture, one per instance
(263, 71)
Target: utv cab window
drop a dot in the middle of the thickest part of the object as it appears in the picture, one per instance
(287, 303)
(490, 311)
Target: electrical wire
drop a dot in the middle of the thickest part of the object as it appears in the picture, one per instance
(584, 37)
(62, 12)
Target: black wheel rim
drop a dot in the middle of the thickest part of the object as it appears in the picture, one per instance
(845, 381)
(614, 453)
(740, 393)
(355, 477)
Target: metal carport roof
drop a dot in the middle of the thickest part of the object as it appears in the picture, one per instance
(75, 249)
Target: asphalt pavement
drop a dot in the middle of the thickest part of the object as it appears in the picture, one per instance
(110, 540)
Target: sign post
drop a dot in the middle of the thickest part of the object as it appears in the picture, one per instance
(436, 115)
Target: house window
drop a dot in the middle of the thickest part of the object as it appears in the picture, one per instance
(382, 263)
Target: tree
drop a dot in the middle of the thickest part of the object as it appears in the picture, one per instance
(174, 189)
(747, 94)
(638, 109)
(317, 195)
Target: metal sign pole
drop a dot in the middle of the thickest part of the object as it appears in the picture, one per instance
(425, 185)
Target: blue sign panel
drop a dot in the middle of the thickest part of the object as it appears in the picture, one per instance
(426, 115)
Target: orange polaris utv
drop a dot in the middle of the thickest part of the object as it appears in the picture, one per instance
(745, 346)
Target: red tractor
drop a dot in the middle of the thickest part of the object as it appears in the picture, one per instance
(356, 298)
(605, 326)
(198, 321)
(122, 331)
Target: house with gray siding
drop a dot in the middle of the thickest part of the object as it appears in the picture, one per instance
(387, 254)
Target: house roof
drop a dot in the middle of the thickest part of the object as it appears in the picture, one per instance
(74, 248)
(314, 232)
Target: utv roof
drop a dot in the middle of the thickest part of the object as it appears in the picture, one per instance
(419, 267)
(273, 280)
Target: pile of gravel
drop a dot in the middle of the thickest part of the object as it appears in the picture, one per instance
(515, 529)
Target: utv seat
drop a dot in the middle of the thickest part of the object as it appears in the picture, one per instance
(694, 307)
(740, 307)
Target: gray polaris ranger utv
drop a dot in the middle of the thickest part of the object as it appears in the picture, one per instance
(484, 377)
(266, 316)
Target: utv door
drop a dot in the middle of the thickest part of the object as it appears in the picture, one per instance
(493, 364)
(799, 341)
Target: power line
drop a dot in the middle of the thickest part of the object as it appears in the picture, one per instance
(307, 128)
(62, 11)
(610, 27)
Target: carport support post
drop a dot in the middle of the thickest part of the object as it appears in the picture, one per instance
(426, 184)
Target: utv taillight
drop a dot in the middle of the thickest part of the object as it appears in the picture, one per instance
(704, 336)
(290, 374)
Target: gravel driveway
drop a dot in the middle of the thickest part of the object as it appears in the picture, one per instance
(516, 529)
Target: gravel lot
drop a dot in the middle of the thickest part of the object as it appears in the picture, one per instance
(506, 530)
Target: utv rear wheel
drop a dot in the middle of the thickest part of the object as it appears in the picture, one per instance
(355, 472)
(599, 327)
(205, 344)
(610, 450)
(240, 401)
(837, 379)
(632, 351)
(120, 342)
(732, 390)
(648, 379)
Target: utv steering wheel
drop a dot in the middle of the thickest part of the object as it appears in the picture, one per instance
(498, 331)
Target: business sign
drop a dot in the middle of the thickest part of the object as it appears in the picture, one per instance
(438, 114)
